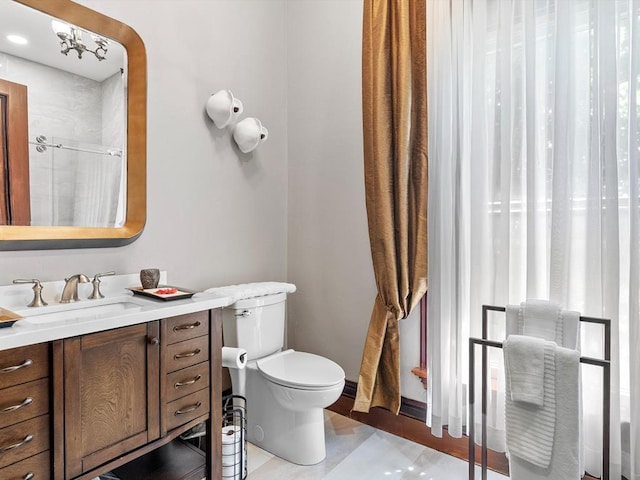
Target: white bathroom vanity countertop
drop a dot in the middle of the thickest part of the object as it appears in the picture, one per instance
(119, 308)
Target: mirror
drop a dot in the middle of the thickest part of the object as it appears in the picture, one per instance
(73, 157)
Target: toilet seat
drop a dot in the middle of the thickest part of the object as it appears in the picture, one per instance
(293, 369)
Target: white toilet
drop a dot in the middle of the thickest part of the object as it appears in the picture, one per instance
(286, 391)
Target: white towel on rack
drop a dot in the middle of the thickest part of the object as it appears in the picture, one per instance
(565, 334)
(571, 329)
(564, 464)
(546, 320)
(250, 290)
(530, 428)
(524, 363)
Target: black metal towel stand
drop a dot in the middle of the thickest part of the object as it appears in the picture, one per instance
(484, 342)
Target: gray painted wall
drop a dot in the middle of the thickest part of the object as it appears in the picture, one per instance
(294, 209)
(215, 216)
(328, 244)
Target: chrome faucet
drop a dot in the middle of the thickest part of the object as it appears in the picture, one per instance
(70, 290)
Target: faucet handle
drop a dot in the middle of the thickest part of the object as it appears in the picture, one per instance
(37, 292)
(96, 294)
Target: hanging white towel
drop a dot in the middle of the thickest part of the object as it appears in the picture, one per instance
(561, 326)
(564, 464)
(524, 366)
(530, 427)
(546, 320)
(250, 290)
(571, 329)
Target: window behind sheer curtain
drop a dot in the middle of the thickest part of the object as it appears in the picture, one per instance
(533, 148)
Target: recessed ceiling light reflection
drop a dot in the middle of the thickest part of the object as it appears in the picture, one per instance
(17, 39)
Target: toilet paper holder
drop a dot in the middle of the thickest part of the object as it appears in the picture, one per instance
(234, 437)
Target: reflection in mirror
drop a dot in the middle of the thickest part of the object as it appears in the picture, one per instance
(75, 89)
(72, 127)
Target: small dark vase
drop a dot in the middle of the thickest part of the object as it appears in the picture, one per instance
(149, 277)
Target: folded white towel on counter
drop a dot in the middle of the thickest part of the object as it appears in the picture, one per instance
(525, 367)
(564, 464)
(530, 427)
(250, 290)
(546, 320)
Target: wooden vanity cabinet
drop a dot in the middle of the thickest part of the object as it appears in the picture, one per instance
(25, 413)
(110, 395)
(129, 393)
(116, 400)
(184, 379)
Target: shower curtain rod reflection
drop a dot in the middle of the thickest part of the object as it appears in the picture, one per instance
(41, 144)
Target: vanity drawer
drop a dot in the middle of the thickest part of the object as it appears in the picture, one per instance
(24, 364)
(184, 354)
(184, 327)
(23, 402)
(186, 381)
(24, 440)
(37, 467)
(186, 409)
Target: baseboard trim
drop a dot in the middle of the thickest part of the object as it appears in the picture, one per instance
(408, 407)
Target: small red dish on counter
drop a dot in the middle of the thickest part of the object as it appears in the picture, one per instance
(166, 291)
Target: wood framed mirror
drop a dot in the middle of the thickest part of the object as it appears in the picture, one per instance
(33, 234)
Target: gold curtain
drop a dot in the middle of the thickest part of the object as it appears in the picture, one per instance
(395, 164)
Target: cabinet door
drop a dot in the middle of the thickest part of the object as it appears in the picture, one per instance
(111, 394)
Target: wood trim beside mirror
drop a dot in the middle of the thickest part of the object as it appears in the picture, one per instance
(36, 238)
(15, 208)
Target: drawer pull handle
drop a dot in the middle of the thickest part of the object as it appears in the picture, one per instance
(24, 364)
(27, 439)
(189, 409)
(186, 355)
(188, 382)
(187, 326)
(29, 476)
(25, 402)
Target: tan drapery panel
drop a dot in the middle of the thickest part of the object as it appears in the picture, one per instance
(395, 164)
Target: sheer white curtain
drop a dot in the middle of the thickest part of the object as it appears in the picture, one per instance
(534, 193)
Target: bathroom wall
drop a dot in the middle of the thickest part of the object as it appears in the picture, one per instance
(329, 256)
(293, 209)
(215, 216)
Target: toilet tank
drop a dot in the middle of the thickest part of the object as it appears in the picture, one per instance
(255, 324)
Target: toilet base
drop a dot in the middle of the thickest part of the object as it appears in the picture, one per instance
(295, 436)
(298, 438)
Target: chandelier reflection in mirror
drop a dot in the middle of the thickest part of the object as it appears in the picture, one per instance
(71, 39)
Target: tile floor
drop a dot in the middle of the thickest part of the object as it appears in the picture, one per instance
(356, 451)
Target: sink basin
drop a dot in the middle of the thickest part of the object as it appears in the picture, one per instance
(82, 311)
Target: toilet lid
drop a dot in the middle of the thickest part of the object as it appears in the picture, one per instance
(301, 370)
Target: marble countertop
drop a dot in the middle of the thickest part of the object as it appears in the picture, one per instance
(119, 308)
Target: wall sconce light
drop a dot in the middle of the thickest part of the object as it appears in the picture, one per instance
(249, 133)
(223, 108)
(71, 39)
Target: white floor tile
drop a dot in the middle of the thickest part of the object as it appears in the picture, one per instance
(360, 452)
(256, 457)
(380, 456)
